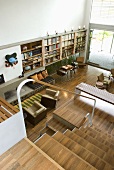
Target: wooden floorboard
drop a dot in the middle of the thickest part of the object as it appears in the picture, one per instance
(24, 155)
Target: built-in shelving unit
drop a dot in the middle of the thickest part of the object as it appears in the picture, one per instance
(51, 49)
(32, 55)
(68, 44)
(80, 41)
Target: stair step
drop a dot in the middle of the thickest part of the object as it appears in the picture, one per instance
(104, 139)
(61, 154)
(85, 143)
(26, 155)
(104, 134)
(91, 140)
(108, 155)
(57, 125)
(88, 156)
(47, 130)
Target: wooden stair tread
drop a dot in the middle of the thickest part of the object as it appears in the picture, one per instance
(23, 156)
(57, 125)
(106, 156)
(104, 139)
(105, 134)
(88, 156)
(85, 143)
(69, 113)
(92, 140)
(61, 154)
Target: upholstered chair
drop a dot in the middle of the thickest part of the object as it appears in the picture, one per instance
(104, 79)
(35, 113)
(54, 94)
(49, 99)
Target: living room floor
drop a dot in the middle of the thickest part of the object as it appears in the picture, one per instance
(87, 75)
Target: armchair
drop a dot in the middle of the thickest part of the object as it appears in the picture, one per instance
(35, 113)
(112, 73)
(52, 94)
(50, 98)
(80, 61)
(105, 80)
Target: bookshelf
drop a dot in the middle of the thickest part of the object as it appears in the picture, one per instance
(52, 48)
(68, 40)
(31, 55)
(80, 41)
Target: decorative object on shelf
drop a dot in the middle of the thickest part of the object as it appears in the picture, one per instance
(24, 48)
(11, 60)
(27, 68)
(22, 75)
(84, 27)
(56, 32)
(79, 27)
(72, 29)
(2, 79)
(47, 34)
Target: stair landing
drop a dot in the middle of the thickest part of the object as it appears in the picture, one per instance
(71, 114)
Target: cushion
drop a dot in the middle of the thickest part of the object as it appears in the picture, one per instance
(39, 76)
(34, 77)
(44, 73)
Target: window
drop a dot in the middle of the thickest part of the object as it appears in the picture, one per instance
(103, 12)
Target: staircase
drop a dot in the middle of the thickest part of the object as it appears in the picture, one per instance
(80, 149)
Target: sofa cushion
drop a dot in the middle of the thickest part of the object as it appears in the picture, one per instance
(44, 73)
(35, 85)
(48, 79)
(39, 76)
(34, 77)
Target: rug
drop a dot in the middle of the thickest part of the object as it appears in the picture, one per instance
(29, 101)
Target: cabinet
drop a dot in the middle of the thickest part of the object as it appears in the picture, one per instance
(52, 48)
(31, 55)
(80, 41)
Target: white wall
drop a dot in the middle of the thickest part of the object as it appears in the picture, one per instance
(10, 72)
(23, 20)
(11, 131)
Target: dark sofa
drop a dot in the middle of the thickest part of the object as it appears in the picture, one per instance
(45, 78)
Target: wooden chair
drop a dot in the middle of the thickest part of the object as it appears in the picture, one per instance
(80, 61)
